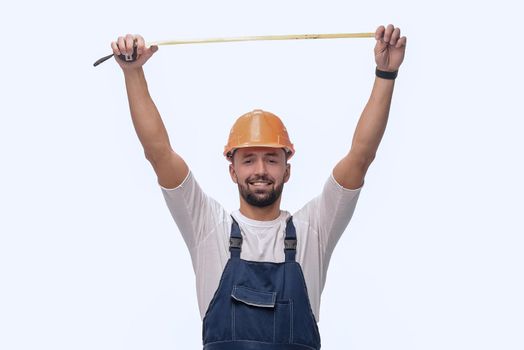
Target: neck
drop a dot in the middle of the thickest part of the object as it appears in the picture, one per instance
(271, 212)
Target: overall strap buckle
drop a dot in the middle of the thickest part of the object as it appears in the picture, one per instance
(290, 243)
(235, 242)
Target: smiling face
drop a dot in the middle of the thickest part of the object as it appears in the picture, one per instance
(260, 173)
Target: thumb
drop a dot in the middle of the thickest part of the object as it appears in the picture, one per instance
(150, 51)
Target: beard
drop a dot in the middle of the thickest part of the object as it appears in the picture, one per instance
(258, 198)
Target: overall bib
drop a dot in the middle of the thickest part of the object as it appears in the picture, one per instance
(261, 305)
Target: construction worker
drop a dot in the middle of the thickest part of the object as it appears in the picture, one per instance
(260, 271)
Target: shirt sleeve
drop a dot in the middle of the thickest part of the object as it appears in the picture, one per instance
(329, 213)
(194, 212)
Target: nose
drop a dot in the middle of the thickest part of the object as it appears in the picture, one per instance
(260, 167)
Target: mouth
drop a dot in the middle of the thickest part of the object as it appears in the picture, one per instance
(260, 183)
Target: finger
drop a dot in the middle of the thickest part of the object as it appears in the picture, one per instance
(114, 46)
(379, 33)
(401, 42)
(121, 45)
(394, 36)
(140, 44)
(130, 41)
(388, 33)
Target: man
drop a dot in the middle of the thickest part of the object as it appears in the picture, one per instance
(260, 271)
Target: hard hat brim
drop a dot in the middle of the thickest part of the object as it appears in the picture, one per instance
(228, 153)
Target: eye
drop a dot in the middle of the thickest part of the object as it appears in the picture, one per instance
(247, 161)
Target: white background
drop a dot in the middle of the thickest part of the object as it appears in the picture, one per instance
(89, 255)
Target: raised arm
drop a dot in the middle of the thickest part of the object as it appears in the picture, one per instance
(389, 54)
(169, 167)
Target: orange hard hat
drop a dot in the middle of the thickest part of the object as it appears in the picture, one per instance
(258, 128)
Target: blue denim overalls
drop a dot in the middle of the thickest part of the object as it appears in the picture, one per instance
(261, 305)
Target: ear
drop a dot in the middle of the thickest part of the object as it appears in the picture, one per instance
(287, 174)
(232, 173)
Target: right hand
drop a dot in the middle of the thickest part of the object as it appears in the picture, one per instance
(124, 45)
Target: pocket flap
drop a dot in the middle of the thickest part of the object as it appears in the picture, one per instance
(254, 297)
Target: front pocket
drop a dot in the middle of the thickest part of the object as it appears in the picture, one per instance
(254, 297)
(259, 316)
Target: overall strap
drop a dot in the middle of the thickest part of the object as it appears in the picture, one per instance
(235, 240)
(290, 242)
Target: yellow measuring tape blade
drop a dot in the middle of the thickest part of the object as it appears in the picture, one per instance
(265, 37)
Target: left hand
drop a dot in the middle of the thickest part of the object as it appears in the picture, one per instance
(390, 48)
